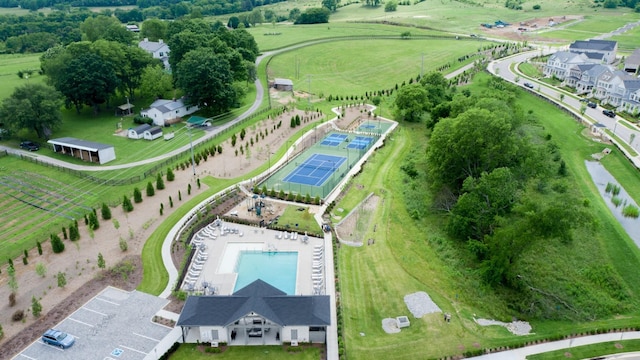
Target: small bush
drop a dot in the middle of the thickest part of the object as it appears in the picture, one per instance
(25, 261)
(170, 175)
(18, 315)
(39, 246)
(137, 196)
(537, 7)
(36, 307)
(56, 244)
(630, 211)
(94, 224)
(74, 234)
(106, 212)
(127, 206)
(12, 299)
(123, 245)
(159, 182)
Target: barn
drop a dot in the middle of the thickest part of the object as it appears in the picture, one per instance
(84, 150)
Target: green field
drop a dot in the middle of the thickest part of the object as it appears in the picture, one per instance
(190, 352)
(590, 351)
(9, 67)
(594, 25)
(368, 65)
(629, 41)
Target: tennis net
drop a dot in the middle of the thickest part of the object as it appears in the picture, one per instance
(314, 167)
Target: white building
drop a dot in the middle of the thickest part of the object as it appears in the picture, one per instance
(159, 50)
(163, 111)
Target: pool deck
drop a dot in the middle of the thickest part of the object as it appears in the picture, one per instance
(223, 247)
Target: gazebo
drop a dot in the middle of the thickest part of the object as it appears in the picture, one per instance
(124, 109)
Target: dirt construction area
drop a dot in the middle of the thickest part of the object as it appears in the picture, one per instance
(528, 30)
(78, 262)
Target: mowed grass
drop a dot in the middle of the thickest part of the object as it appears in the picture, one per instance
(410, 256)
(590, 351)
(191, 352)
(355, 67)
(10, 64)
(289, 34)
(629, 41)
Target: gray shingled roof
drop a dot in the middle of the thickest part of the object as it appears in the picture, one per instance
(151, 46)
(259, 298)
(154, 130)
(140, 129)
(600, 45)
(79, 144)
(279, 81)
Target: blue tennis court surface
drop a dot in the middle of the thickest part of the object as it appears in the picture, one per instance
(360, 142)
(368, 126)
(315, 170)
(333, 139)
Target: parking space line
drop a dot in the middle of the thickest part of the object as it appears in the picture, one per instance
(138, 351)
(49, 345)
(107, 301)
(93, 311)
(28, 357)
(80, 322)
(146, 337)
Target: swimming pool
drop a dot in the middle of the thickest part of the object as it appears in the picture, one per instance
(279, 269)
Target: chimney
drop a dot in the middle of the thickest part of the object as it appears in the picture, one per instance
(146, 39)
(160, 41)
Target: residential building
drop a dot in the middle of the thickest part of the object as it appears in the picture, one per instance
(589, 78)
(560, 63)
(157, 49)
(632, 63)
(163, 111)
(604, 50)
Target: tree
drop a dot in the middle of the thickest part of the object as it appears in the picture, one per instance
(95, 28)
(34, 107)
(476, 141)
(94, 224)
(101, 262)
(150, 190)
(62, 279)
(255, 17)
(170, 175)
(137, 196)
(155, 82)
(314, 16)
(128, 62)
(207, 80)
(390, 6)
(159, 182)
(332, 5)
(233, 22)
(90, 81)
(127, 206)
(106, 211)
(294, 14)
(36, 307)
(41, 269)
(154, 29)
(412, 102)
(74, 234)
(56, 244)
(12, 282)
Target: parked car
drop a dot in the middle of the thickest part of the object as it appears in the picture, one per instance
(529, 85)
(609, 113)
(255, 332)
(30, 145)
(58, 338)
(592, 105)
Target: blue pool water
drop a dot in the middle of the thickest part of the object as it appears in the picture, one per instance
(279, 269)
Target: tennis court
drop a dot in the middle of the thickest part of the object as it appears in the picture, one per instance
(333, 139)
(315, 170)
(360, 142)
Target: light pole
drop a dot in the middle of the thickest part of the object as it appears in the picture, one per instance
(193, 161)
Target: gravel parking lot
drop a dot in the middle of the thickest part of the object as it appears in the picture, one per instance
(113, 325)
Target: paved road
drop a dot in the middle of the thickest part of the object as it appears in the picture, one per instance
(625, 131)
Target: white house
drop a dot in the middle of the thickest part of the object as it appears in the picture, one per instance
(157, 49)
(258, 314)
(604, 50)
(607, 82)
(589, 78)
(153, 133)
(165, 111)
(138, 131)
(560, 63)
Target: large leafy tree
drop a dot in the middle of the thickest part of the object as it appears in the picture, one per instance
(99, 27)
(128, 62)
(89, 80)
(155, 82)
(412, 102)
(33, 106)
(207, 80)
(154, 29)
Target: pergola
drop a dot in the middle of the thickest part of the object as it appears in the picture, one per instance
(124, 109)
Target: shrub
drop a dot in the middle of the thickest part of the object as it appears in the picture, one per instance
(170, 175)
(101, 262)
(41, 270)
(93, 221)
(12, 299)
(150, 190)
(630, 211)
(179, 196)
(170, 201)
(39, 246)
(25, 260)
(159, 182)
(198, 182)
(64, 233)
(137, 196)
(106, 212)
(1, 332)
(123, 245)
(537, 7)
(18, 315)
(56, 244)
(127, 206)
(26, 253)
(74, 234)
(36, 307)
(189, 189)
(62, 279)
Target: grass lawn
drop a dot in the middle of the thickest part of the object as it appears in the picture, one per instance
(10, 64)
(590, 351)
(594, 25)
(190, 352)
(337, 68)
(629, 41)
(411, 255)
(304, 220)
(530, 70)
